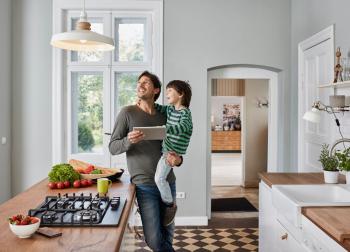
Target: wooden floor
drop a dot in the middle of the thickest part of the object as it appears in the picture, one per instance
(251, 194)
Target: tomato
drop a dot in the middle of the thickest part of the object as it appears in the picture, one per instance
(89, 182)
(52, 185)
(66, 184)
(76, 183)
(24, 222)
(89, 169)
(33, 220)
(60, 185)
(84, 182)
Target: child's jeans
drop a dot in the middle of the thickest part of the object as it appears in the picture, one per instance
(163, 169)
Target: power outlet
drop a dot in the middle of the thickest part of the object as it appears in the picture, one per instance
(180, 195)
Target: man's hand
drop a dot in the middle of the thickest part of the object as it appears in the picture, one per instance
(135, 136)
(173, 159)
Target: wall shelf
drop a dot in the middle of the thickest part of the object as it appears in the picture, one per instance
(342, 84)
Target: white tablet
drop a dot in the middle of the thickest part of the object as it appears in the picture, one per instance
(153, 133)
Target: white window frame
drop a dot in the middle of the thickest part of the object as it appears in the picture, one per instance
(148, 40)
(107, 29)
(96, 158)
(59, 58)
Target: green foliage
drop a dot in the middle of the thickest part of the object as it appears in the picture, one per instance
(85, 139)
(344, 159)
(90, 111)
(329, 163)
(126, 94)
(63, 172)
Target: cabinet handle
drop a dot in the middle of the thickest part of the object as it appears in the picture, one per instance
(284, 237)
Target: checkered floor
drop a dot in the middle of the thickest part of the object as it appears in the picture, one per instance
(198, 239)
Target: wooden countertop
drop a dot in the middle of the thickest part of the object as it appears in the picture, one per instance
(282, 178)
(73, 238)
(334, 221)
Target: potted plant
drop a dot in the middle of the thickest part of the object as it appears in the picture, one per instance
(329, 164)
(344, 162)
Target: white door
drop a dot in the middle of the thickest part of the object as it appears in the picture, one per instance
(315, 68)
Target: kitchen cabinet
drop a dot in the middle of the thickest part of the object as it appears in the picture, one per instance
(285, 242)
(277, 234)
(226, 141)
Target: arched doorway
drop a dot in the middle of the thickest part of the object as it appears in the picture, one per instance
(273, 76)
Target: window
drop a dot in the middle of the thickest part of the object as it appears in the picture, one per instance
(98, 84)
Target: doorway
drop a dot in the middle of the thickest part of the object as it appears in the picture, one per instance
(239, 111)
(272, 77)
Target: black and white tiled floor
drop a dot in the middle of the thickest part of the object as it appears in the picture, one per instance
(203, 239)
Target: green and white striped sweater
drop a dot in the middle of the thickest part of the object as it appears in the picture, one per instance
(178, 128)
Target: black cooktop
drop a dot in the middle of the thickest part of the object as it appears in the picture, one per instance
(79, 210)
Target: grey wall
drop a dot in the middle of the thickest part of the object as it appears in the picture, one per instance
(5, 99)
(308, 18)
(31, 100)
(255, 130)
(200, 34)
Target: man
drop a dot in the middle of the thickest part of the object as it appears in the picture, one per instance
(142, 158)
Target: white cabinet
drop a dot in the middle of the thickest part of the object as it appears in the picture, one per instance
(267, 219)
(285, 242)
(277, 234)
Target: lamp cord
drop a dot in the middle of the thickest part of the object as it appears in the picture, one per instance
(338, 124)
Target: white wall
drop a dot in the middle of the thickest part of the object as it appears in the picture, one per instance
(200, 34)
(308, 18)
(31, 100)
(217, 106)
(5, 99)
(256, 130)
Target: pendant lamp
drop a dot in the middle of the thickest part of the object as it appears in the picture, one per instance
(82, 38)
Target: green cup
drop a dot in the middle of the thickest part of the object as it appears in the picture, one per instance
(103, 185)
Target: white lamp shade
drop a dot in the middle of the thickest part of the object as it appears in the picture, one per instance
(82, 40)
(312, 115)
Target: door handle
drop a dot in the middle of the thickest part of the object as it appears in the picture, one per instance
(108, 134)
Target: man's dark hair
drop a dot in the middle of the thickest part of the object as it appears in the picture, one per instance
(183, 88)
(155, 81)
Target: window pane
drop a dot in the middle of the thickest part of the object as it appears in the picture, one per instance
(96, 26)
(87, 112)
(130, 39)
(125, 89)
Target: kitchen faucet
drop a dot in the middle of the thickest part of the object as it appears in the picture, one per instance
(342, 140)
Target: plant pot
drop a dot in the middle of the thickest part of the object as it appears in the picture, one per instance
(347, 176)
(331, 177)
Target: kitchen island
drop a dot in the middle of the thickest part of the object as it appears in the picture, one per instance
(73, 238)
(318, 228)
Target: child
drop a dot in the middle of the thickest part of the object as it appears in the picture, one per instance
(178, 134)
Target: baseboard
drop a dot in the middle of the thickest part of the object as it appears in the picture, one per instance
(181, 221)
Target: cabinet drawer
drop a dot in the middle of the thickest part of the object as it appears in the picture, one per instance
(285, 241)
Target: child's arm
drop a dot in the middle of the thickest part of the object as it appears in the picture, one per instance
(161, 108)
(184, 125)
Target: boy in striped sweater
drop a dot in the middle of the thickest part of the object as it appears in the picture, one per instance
(178, 134)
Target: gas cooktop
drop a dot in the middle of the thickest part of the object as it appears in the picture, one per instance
(79, 210)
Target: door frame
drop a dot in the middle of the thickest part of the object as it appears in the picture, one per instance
(275, 118)
(314, 40)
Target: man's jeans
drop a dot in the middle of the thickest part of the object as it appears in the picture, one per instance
(158, 237)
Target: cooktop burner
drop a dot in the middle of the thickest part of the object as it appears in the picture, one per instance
(79, 210)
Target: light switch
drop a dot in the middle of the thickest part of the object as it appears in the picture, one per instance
(3, 140)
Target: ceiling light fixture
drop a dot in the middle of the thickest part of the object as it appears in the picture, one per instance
(82, 38)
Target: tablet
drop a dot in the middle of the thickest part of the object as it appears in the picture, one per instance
(153, 133)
